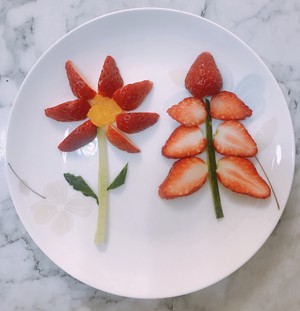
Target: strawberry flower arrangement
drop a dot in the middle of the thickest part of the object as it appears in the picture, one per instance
(232, 140)
(109, 116)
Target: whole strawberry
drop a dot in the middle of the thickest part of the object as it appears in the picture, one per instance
(203, 77)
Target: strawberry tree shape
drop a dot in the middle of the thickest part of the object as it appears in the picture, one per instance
(232, 140)
(109, 116)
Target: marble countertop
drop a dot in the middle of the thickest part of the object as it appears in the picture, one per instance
(29, 280)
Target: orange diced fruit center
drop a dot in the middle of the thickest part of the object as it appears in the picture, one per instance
(103, 111)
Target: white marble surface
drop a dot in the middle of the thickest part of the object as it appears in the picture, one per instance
(29, 280)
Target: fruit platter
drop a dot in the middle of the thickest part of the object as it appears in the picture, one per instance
(140, 156)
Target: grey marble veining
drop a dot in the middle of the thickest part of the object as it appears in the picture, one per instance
(29, 280)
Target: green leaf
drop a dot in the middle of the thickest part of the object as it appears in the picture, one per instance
(79, 184)
(120, 179)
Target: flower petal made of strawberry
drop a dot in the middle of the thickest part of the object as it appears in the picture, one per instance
(78, 85)
(110, 78)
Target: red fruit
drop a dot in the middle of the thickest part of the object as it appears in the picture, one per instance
(73, 110)
(78, 85)
(227, 106)
(184, 142)
(233, 139)
(119, 140)
(134, 122)
(82, 135)
(203, 77)
(130, 96)
(110, 78)
(185, 177)
(240, 175)
(189, 112)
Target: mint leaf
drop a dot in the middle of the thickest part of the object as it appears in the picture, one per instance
(79, 184)
(120, 179)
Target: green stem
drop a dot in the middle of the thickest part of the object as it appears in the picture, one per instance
(212, 166)
(102, 187)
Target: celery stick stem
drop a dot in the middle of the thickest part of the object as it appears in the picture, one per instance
(102, 188)
(212, 166)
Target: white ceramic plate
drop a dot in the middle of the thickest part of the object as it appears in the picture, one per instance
(156, 248)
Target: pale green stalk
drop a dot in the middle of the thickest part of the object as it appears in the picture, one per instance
(102, 188)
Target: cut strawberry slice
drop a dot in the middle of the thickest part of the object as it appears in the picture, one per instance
(184, 142)
(227, 106)
(185, 177)
(233, 139)
(240, 175)
(189, 112)
(110, 78)
(81, 136)
(73, 110)
(134, 122)
(130, 96)
(119, 140)
(203, 77)
(78, 85)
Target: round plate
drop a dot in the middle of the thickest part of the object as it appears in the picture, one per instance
(156, 248)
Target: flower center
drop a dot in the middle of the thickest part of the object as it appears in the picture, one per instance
(103, 111)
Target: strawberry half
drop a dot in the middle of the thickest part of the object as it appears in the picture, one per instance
(73, 110)
(189, 112)
(185, 177)
(82, 135)
(119, 140)
(78, 85)
(134, 122)
(130, 96)
(240, 175)
(233, 139)
(184, 142)
(227, 106)
(110, 78)
(203, 77)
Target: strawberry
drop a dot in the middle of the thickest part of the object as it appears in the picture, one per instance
(79, 137)
(134, 122)
(184, 142)
(227, 106)
(110, 78)
(240, 175)
(130, 96)
(73, 110)
(119, 140)
(203, 77)
(185, 177)
(78, 85)
(189, 112)
(233, 139)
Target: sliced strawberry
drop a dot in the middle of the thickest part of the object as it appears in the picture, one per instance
(79, 137)
(185, 141)
(203, 77)
(233, 139)
(73, 110)
(78, 85)
(240, 175)
(134, 122)
(227, 106)
(185, 177)
(110, 78)
(119, 140)
(189, 112)
(130, 96)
